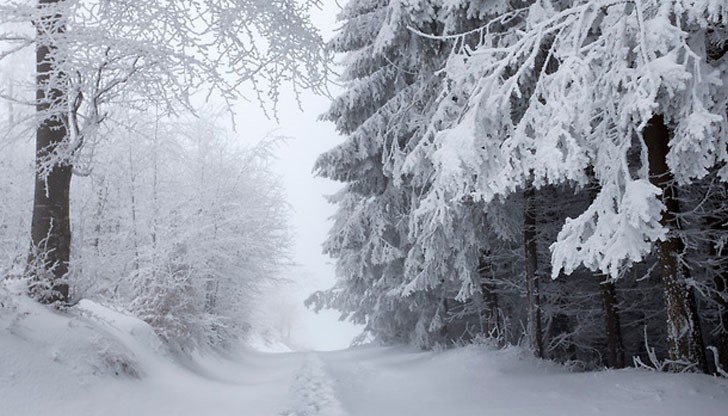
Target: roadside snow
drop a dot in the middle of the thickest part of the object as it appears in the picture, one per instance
(96, 361)
(477, 380)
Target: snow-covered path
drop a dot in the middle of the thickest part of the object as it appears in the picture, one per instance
(375, 381)
(94, 361)
(370, 382)
(312, 391)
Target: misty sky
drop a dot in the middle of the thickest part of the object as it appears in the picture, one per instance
(307, 138)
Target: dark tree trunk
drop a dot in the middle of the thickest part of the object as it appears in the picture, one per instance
(533, 298)
(685, 341)
(615, 346)
(489, 314)
(50, 227)
(612, 323)
(558, 330)
(444, 329)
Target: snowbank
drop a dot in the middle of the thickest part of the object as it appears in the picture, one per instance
(92, 360)
(478, 381)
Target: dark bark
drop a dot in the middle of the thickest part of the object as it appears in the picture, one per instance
(685, 341)
(444, 329)
(615, 345)
(558, 330)
(50, 227)
(533, 298)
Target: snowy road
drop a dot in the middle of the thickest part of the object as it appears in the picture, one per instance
(471, 381)
(312, 391)
(371, 382)
(478, 381)
(99, 362)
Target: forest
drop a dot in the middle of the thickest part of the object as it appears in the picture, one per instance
(542, 173)
(143, 197)
(550, 175)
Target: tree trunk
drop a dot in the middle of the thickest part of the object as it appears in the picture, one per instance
(615, 346)
(612, 323)
(533, 300)
(489, 313)
(685, 341)
(557, 331)
(50, 226)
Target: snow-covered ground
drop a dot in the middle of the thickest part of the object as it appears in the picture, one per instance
(95, 361)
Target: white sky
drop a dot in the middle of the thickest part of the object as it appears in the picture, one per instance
(310, 211)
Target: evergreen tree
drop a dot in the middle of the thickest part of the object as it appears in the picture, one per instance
(390, 82)
(586, 112)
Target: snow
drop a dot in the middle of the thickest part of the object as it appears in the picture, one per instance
(92, 360)
(478, 380)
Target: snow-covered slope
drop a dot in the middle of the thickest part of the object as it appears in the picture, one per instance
(92, 360)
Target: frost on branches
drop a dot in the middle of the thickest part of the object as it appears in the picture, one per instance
(93, 57)
(590, 133)
(611, 67)
(181, 226)
(389, 76)
(597, 76)
(159, 54)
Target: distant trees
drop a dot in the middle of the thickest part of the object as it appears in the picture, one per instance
(93, 57)
(587, 132)
(180, 225)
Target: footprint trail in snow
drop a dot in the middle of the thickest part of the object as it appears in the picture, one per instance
(313, 391)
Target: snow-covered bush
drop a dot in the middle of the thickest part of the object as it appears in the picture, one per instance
(180, 225)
